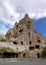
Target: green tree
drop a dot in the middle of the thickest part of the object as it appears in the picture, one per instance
(43, 54)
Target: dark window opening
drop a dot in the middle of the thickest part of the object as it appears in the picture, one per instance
(38, 55)
(21, 42)
(14, 42)
(8, 55)
(24, 55)
(37, 46)
(28, 21)
(39, 41)
(0, 53)
(30, 42)
(17, 26)
(20, 30)
(31, 48)
(29, 34)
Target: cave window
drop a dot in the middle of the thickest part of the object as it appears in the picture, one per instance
(24, 55)
(31, 48)
(21, 42)
(20, 30)
(37, 46)
(39, 41)
(38, 55)
(14, 42)
(28, 21)
(17, 26)
(29, 34)
(30, 42)
(28, 25)
(8, 55)
(0, 53)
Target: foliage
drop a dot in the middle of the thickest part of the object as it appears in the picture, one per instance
(43, 54)
(3, 40)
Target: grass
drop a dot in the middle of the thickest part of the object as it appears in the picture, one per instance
(14, 59)
(24, 59)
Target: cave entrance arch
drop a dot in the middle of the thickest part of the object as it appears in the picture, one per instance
(8, 55)
(38, 55)
(14, 42)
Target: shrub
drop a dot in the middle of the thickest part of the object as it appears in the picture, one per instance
(43, 54)
(3, 40)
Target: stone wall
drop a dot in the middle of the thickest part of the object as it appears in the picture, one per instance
(24, 34)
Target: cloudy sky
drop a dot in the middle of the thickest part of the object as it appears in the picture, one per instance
(12, 11)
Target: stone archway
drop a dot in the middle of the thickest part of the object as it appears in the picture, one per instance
(8, 55)
(14, 42)
(24, 55)
(38, 55)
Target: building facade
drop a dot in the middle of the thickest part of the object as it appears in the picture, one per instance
(27, 41)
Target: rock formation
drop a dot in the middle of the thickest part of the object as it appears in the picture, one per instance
(25, 37)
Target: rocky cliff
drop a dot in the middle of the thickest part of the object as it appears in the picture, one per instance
(24, 27)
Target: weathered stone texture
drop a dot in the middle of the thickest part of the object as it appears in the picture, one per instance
(25, 37)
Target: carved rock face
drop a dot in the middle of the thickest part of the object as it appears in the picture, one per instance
(22, 28)
(9, 34)
(26, 38)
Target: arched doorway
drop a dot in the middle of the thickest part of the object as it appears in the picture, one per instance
(38, 55)
(8, 55)
(14, 42)
(24, 55)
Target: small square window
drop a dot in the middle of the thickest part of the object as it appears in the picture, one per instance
(39, 41)
(31, 48)
(17, 26)
(21, 42)
(14, 42)
(28, 21)
(30, 42)
(20, 30)
(37, 46)
(29, 34)
(24, 55)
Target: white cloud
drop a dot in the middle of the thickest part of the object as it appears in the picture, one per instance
(13, 10)
(7, 12)
(35, 8)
